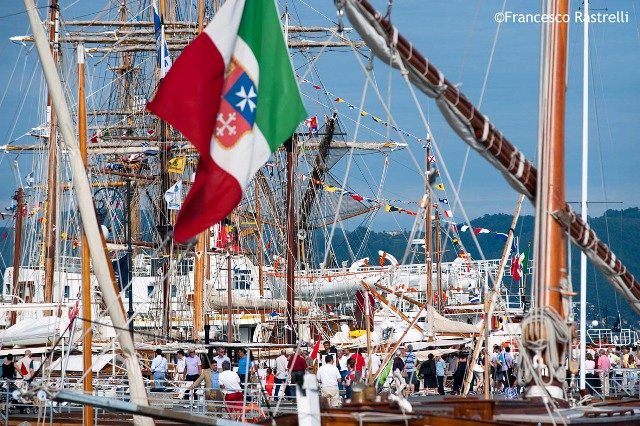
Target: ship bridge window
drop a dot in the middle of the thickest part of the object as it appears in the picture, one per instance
(67, 291)
(149, 290)
(242, 279)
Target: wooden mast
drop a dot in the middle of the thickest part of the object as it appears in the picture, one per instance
(16, 254)
(52, 178)
(550, 247)
(201, 248)
(87, 381)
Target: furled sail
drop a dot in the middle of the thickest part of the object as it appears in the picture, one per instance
(476, 130)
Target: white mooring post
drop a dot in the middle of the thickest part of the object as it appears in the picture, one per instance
(309, 402)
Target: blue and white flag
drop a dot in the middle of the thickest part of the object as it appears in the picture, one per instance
(30, 179)
(174, 196)
(164, 59)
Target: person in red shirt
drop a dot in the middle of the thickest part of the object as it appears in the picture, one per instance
(360, 362)
(298, 365)
(269, 381)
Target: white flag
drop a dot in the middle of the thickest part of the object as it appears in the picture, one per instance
(174, 196)
(164, 59)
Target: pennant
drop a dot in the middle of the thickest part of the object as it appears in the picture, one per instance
(339, 100)
(312, 125)
(443, 200)
(364, 113)
(235, 115)
(389, 208)
(164, 59)
(376, 119)
(440, 187)
(173, 196)
(30, 180)
(176, 165)
(448, 213)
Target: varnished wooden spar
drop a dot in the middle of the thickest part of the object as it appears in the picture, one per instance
(482, 135)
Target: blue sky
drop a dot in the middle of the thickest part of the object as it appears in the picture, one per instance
(456, 36)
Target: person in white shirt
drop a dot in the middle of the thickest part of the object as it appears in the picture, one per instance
(329, 377)
(374, 361)
(221, 357)
(25, 366)
(159, 369)
(180, 366)
(230, 382)
(281, 372)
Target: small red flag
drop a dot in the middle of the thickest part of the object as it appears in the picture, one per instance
(316, 349)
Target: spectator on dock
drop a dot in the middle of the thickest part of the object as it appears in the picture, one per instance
(159, 369)
(281, 372)
(410, 369)
(428, 373)
(9, 368)
(327, 349)
(591, 378)
(206, 376)
(230, 382)
(373, 362)
(604, 364)
(398, 368)
(243, 366)
(193, 368)
(221, 357)
(180, 366)
(441, 366)
(329, 377)
(269, 380)
(350, 377)
(298, 367)
(26, 366)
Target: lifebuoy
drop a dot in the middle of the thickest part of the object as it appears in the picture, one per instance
(435, 298)
(255, 408)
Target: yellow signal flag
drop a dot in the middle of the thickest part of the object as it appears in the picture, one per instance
(176, 165)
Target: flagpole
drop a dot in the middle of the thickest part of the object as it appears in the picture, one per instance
(291, 334)
(585, 193)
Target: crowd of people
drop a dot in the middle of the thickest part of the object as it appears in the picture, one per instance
(606, 369)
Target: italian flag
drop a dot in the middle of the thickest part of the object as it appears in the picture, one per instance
(233, 94)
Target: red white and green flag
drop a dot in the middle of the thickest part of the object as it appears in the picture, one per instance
(233, 94)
